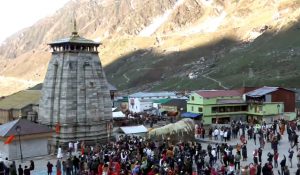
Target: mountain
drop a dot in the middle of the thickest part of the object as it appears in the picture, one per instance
(168, 44)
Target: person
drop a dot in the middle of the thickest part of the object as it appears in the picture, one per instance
(20, 170)
(255, 155)
(26, 171)
(298, 171)
(59, 153)
(252, 169)
(276, 155)
(13, 168)
(283, 164)
(7, 166)
(1, 167)
(286, 171)
(291, 153)
(237, 159)
(49, 168)
(31, 167)
(58, 167)
(259, 154)
(258, 169)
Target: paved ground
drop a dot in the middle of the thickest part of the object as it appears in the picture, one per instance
(283, 148)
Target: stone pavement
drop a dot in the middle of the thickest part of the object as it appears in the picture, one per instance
(283, 148)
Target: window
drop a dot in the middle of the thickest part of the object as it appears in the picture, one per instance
(199, 109)
(192, 108)
(193, 98)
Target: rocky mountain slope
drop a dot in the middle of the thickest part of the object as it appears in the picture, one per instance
(168, 44)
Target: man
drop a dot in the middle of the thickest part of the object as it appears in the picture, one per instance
(237, 160)
(26, 171)
(283, 164)
(1, 167)
(259, 154)
(49, 168)
(20, 170)
(255, 156)
(291, 153)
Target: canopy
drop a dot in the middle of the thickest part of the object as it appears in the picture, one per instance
(134, 129)
(190, 115)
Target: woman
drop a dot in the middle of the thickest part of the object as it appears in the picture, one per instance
(58, 167)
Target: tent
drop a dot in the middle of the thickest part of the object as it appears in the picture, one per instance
(140, 130)
(183, 129)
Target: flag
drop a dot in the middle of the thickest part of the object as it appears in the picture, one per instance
(57, 128)
(9, 139)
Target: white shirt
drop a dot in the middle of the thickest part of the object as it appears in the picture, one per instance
(221, 133)
(216, 132)
(225, 134)
(213, 153)
(70, 145)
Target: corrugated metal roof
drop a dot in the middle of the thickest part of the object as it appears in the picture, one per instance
(261, 91)
(27, 128)
(219, 93)
(161, 101)
(230, 101)
(152, 94)
(134, 129)
(20, 99)
(175, 102)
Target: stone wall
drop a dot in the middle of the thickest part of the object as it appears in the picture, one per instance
(75, 94)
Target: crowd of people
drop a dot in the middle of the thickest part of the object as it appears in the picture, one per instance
(135, 155)
(9, 168)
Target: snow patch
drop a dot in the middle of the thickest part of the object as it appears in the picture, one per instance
(159, 20)
(207, 2)
(131, 4)
(209, 25)
(253, 35)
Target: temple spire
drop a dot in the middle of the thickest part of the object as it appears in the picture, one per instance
(74, 33)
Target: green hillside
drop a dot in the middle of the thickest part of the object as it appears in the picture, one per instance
(272, 59)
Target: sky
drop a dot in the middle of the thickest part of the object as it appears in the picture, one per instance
(18, 14)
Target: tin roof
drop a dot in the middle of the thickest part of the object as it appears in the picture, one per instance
(230, 101)
(152, 94)
(175, 102)
(219, 93)
(261, 91)
(161, 101)
(27, 128)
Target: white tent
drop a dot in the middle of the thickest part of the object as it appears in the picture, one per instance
(134, 129)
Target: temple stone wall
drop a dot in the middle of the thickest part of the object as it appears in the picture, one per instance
(75, 95)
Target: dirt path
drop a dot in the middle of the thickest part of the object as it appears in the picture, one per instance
(219, 82)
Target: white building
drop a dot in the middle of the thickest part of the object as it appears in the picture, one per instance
(141, 101)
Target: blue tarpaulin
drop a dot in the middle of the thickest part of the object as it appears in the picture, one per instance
(190, 115)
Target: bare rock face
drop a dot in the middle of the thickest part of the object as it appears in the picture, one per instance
(126, 26)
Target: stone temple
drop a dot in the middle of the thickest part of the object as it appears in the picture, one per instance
(75, 96)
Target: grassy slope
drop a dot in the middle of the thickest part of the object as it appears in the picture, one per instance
(269, 57)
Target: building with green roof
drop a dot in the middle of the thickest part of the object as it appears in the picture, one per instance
(21, 104)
